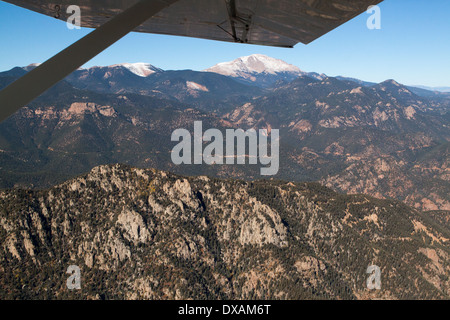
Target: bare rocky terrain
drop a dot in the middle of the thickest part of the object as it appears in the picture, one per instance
(144, 233)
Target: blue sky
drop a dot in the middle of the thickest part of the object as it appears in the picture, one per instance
(412, 47)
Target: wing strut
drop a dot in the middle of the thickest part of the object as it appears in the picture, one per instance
(43, 77)
(237, 21)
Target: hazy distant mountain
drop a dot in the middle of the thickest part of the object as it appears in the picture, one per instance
(260, 70)
(358, 81)
(422, 91)
(440, 89)
(148, 234)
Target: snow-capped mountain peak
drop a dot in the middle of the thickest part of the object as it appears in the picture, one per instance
(261, 70)
(31, 66)
(141, 69)
(253, 64)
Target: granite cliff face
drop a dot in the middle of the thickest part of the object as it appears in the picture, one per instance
(138, 233)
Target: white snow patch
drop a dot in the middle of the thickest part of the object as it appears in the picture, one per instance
(31, 66)
(141, 69)
(195, 86)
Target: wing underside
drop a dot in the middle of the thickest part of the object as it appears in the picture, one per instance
(281, 23)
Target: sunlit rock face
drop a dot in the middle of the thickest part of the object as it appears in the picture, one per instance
(143, 233)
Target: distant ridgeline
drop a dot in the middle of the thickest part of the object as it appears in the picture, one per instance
(385, 140)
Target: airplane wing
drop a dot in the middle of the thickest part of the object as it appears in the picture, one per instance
(282, 23)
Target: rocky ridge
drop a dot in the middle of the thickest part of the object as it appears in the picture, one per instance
(151, 234)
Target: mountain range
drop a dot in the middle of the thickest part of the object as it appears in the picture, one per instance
(383, 139)
(149, 234)
(87, 180)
